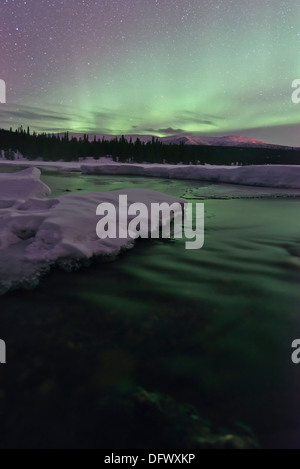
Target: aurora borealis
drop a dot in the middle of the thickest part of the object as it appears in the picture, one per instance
(163, 67)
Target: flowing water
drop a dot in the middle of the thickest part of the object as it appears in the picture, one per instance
(211, 328)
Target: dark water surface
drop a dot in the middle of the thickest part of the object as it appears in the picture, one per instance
(211, 328)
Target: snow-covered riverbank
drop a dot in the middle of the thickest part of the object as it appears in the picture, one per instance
(37, 232)
(281, 176)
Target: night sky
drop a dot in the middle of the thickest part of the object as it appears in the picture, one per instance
(202, 67)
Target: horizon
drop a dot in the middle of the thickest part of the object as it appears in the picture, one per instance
(148, 136)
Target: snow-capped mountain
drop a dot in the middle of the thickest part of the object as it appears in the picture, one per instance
(216, 141)
(230, 141)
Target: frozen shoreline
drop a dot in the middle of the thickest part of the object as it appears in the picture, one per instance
(276, 176)
(37, 232)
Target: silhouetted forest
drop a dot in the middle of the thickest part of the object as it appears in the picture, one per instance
(61, 147)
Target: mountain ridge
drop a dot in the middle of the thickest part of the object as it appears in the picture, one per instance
(227, 140)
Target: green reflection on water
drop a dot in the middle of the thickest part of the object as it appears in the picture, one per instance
(212, 328)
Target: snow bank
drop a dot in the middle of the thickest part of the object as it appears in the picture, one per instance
(281, 176)
(64, 166)
(37, 233)
(22, 185)
(265, 176)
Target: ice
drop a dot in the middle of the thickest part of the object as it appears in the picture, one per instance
(22, 185)
(37, 233)
(265, 175)
(281, 176)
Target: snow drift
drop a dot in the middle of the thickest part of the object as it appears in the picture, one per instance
(265, 176)
(22, 185)
(280, 176)
(37, 232)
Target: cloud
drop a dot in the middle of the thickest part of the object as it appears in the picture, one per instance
(189, 117)
(30, 114)
(168, 131)
(171, 131)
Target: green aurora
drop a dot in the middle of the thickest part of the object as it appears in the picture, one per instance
(156, 67)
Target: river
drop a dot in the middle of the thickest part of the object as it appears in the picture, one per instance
(211, 328)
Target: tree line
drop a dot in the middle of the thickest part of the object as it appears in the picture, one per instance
(52, 147)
